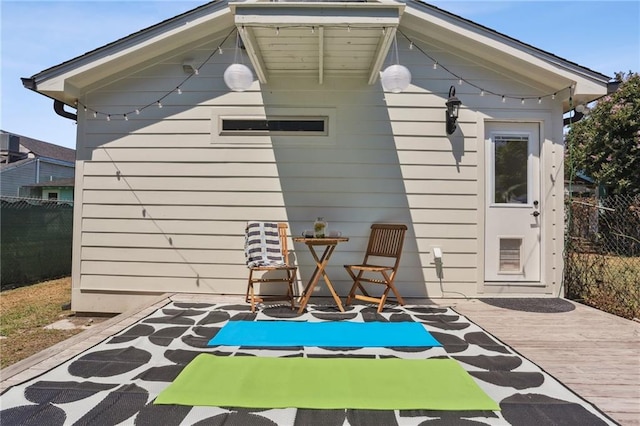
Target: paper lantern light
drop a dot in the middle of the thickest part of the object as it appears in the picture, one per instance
(238, 77)
(395, 78)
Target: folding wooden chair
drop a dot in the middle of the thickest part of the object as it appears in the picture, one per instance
(383, 258)
(264, 274)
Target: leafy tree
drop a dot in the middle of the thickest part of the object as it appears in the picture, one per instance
(606, 143)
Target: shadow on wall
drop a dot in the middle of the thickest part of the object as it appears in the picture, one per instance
(352, 178)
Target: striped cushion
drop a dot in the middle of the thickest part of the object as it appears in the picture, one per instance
(262, 245)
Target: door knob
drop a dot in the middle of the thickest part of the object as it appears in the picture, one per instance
(536, 214)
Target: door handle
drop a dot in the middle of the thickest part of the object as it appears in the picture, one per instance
(535, 214)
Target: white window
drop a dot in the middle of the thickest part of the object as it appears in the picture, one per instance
(276, 125)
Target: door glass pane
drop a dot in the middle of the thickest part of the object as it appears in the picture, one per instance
(510, 169)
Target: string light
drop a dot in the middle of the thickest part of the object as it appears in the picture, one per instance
(313, 30)
(483, 91)
(158, 103)
(412, 46)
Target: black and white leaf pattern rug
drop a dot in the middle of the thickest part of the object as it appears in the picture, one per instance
(116, 381)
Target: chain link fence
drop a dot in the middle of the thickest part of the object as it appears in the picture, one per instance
(35, 242)
(602, 266)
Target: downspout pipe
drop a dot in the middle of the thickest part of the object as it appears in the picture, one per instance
(58, 106)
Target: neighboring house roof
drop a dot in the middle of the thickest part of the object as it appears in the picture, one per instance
(585, 177)
(45, 149)
(16, 164)
(170, 37)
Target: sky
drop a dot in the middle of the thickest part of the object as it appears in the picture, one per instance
(35, 35)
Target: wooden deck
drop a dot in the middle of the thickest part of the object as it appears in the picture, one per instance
(595, 354)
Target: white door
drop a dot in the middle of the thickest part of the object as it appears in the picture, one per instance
(513, 222)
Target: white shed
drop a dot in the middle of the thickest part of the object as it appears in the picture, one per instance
(171, 163)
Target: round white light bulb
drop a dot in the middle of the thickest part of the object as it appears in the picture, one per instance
(238, 77)
(395, 78)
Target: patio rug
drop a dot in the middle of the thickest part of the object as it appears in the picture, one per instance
(377, 384)
(116, 381)
(330, 333)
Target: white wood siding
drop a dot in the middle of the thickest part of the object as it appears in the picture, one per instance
(164, 199)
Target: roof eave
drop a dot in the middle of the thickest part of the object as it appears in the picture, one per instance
(511, 53)
(66, 81)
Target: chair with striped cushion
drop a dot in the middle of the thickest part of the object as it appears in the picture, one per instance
(380, 264)
(267, 256)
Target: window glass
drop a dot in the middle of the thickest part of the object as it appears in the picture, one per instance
(511, 169)
(273, 125)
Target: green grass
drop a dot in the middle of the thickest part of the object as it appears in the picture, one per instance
(609, 283)
(23, 314)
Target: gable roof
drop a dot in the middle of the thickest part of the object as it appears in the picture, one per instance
(549, 55)
(45, 149)
(68, 80)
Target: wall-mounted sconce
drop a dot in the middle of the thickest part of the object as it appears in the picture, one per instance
(453, 108)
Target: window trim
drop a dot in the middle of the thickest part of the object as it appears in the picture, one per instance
(301, 139)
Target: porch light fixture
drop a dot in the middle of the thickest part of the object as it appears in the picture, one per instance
(238, 77)
(453, 108)
(395, 78)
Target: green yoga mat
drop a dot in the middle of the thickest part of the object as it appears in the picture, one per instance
(326, 383)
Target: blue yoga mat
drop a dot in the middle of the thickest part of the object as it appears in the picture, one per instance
(332, 334)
